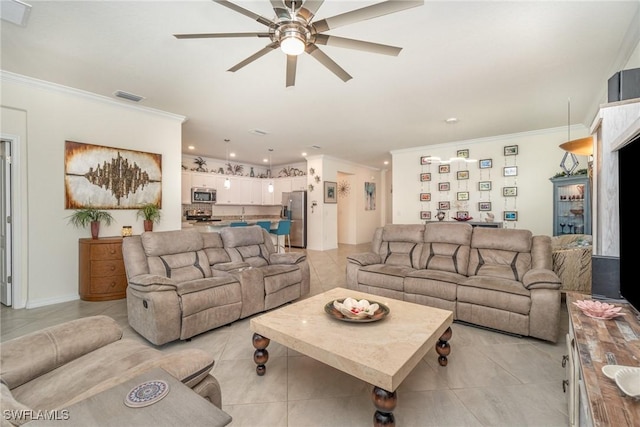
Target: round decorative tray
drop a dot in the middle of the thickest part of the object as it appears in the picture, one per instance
(379, 314)
(146, 394)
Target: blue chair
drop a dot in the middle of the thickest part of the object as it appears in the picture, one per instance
(238, 224)
(265, 224)
(284, 229)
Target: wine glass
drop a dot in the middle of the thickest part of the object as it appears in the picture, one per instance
(562, 223)
(571, 225)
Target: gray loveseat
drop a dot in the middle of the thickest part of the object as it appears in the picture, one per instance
(64, 364)
(183, 283)
(497, 278)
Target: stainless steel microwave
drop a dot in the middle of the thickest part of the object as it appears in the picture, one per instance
(203, 195)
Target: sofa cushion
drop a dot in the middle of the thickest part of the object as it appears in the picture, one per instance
(434, 283)
(9, 406)
(499, 264)
(400, 253)
(214, 248)
(280, 276)
(503, 294)
(446, 247)
(171, 242)
(384, 276)
(181, 266)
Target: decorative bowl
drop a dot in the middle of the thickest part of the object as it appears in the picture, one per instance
(463, 218)
(598, 310)
(610, 371)
(628, 380)
(359, 311)
(576, 211)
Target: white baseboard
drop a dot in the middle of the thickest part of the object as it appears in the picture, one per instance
(33, 303)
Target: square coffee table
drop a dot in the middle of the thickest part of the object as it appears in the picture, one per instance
(381, 353)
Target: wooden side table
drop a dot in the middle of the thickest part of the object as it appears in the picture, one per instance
(181, 406)
(101, 269)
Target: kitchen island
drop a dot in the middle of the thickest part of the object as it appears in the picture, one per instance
(216, 225)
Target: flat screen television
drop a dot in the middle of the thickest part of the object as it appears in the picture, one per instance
(629, 192)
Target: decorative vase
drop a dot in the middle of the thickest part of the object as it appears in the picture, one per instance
(95, 229)
(148, 225)
(251, 174)
(440, 216)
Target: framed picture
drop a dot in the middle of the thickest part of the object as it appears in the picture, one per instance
(509, 191)
(425, 160)
(330, 192)
(444, 206)
(444, 186)
(425, 197)
(510, 171)
(511, 150)
(425, 214)
(485, 164)
(463, 153)
(425, 177)
(484, 206)
(462, 214)
(444, 169)
(510, 215)
(462, 195)
(462, 175)
(484, 186)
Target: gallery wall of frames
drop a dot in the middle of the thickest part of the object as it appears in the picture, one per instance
(462, 187)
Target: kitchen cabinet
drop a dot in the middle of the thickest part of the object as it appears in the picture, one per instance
(204, 180)
(255, 192)
(268, 197)
(101, 269)
(280, 185)
(571, 205)
(230, 196)
(299, 183)
(186, 188)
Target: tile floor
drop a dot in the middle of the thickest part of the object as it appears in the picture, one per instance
(492, 379)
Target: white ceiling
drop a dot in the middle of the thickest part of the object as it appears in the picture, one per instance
(499, 67)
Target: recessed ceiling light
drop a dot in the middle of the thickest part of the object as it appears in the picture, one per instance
(265, 160)
(304, 154)
(232, 154)
(386, 162)
(191, 147)
(451, 120)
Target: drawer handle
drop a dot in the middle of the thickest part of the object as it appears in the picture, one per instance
(113, 284)
(112, 251)
(113, 267)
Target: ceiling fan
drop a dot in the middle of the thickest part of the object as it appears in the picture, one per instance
(294, 32)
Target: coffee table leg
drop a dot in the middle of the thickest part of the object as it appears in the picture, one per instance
(261, 355)
(385, 402)
(443, 348)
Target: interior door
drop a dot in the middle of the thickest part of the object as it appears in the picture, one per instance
(5, 222)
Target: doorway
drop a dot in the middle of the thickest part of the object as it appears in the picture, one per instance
(6, 231)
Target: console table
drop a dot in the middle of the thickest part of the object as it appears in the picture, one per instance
(477, 223)
(594, 399)
(101, 269)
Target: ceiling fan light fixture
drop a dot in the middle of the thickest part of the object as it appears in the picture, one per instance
(292, 43)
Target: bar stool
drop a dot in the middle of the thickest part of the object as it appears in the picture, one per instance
(238, 224)
(265, 224)
(284, 229)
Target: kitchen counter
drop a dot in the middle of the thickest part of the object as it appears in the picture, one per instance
(217, 225)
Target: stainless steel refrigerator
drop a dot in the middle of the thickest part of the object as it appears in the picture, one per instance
(297, 212)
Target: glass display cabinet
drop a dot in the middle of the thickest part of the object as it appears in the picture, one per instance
(571, 205)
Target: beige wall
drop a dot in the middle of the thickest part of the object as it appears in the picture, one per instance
(51, 114)
(538, 159)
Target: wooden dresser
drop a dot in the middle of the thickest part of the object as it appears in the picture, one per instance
(594, 399)
(101, 270)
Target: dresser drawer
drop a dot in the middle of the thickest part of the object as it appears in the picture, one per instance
(107, 268)
(106, 251)
(108, 285)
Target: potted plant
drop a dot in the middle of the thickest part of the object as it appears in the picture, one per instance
(90, 216)
(151, 213)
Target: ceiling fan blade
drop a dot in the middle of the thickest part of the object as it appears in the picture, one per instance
(383, 49)
(245, 12)
(362, 14)
(292, 62)
(321, 57)
(309, 9)
(218, 35)
(280, 9)
(258, 54)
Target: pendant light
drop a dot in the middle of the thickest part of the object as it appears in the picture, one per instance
(227, 181)
(574, 159)
(270, 187)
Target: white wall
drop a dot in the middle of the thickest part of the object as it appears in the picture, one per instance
(538, 159)
(322, 230)
(53, 114)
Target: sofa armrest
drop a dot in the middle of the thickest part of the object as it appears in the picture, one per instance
(365, 258)
(27, 357)
(541, 278)
(287, 258)
(229, 266)
(152, 283)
